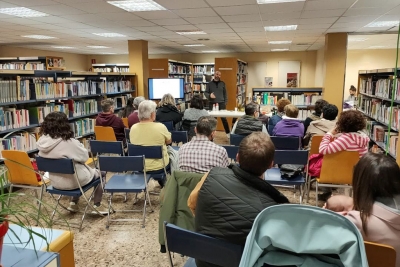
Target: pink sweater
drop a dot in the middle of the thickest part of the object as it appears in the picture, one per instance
(345, 142)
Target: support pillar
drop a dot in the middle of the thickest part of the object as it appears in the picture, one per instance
(138, 63)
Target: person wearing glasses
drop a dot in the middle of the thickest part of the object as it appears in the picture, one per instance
(249, 123)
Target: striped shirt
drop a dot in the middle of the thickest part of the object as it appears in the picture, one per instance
(345, 142)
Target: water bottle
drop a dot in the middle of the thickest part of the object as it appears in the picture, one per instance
(217, 107)
(214, 108)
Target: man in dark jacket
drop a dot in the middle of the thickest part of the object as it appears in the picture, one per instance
(249, 123)
(108, 118)
(227, 200)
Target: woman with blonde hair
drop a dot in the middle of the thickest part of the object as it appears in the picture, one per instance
(167, 110)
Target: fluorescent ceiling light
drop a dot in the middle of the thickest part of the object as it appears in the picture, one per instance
(22, 12)
(383, 24)
(262, 2)
(210, 51)
(97, 46)
(63, 47)
(377, 47)
(191, 32)
(279, 42)
(110, 34)
(280, 28)
(357, 39)
(280, 49)
(137, 5)
(194, 45)
(38, 36)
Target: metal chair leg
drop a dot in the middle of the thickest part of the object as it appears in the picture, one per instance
(109, 211)
(144, 210)
(148, 196)
(9, 192)
(316, 194)
(40, 205)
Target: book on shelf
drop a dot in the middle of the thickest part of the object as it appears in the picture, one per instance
(380, 88)
(118, 86)
(272, 98)
(379, 110)
(8, 91)
(381, 135)
(203, 69)
(23, 66)
(25, 141)
(199, 87)
(178, 69)
(12, 118)
(83, 126)
(111, 69)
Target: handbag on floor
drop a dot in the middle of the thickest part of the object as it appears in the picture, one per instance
(290, 171)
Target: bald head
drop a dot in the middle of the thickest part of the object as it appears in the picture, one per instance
(217, 75)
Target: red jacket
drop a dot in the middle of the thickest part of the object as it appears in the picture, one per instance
(113, 121)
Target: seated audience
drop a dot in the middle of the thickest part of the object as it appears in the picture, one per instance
(56, 142)
(289, 125)
(376, 197)
(227, 200)
(277, 117)
(108, 118)
(316, 115)
(150, 133)
(167, 110)
(128, 109)
(191, 115)
(133, 117)
(322, 126)
(249, 122)
(201, 154)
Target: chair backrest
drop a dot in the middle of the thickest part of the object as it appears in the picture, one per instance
(179, 136)
(201, 247)
(150, 152)
(235, 139)
(106, 147)
(315, 142)
(380, 255)
(104, 133)
(121, 164)
(169, 125)
(125, 121)
(232, 151)
(286, 142)
(64, 166)
(337, 168)
(127, 131)
(299, 157)
(19, 167)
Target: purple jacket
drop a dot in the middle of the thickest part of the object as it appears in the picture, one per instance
(289, 127)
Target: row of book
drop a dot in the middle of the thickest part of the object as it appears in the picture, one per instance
(200, 78)
(186, 78)
(205, 69)
(111, 69)
(381, 136)
(25, 141)
(380, 111)
(174, 68)
(23, 66)
(83, 126)
(12, 118)
(199, 87)
(382, 87)
(267, 98)
(121, 101)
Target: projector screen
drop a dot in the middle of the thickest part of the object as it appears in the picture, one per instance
(159, 87)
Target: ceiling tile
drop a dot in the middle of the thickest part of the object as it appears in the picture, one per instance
(374, 3)
(318, 20)
(237, 10)
(185, 27)
(161, 14)
(212, 26)
(59, 9)
(205, 20)
(217, 3)
(328, 4)
(30, 3)
(117, 16)
(195, 12)
(150, 29)
(282, 7)
(323, 13)
(182, 4)
(137, 23)
(368, 11)
(357, 19)
(169, 22)
(281, 16)
(281, 22)
(246, 24)
(314, 26)
(21, 21)
(241, 18)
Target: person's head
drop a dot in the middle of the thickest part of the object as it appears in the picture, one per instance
(107, 105)
(291, 111)
(217, 75)
(256, 153)
(147, 110)
(167, 99)
(319, 105)
(197, 102)
(282, 103)
(351, 121)
(375, 176)
(137, 101)
(352, 90)
(130, 101)
(252, 109)
(206, 126)
(56, 125)
(330, 112)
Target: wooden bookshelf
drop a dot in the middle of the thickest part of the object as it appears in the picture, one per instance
(110, 67)
(158, 68)
(203, 73)
(32, 63)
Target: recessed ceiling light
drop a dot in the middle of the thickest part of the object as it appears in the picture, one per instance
(280, 28)
(191, 32)
(137, 5)
(193, 45)
(357, 39)
(39, 36)
(96, 46)
(279, 42)
(63, 47)
(22, 12)
(377, 47)
(210, 51)
(383, 24)
(262, 2)
(110, 34)
(280, 49)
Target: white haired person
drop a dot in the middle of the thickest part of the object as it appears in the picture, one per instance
(133, 117)
(150, 133)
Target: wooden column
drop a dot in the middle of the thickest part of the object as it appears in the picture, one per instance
(335, 67)
(138, 63)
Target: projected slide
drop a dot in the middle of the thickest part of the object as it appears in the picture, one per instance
(159, 87)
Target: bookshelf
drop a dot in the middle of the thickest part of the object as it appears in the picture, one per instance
(26, 97)
(375, 89)
(304, 98)
(32, 63)
(111, 67)
(203, 73)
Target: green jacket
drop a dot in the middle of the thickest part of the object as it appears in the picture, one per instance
(174, 208)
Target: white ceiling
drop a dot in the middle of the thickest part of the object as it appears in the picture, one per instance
(231, 25)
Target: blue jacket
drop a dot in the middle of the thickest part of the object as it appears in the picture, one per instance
(272, 122)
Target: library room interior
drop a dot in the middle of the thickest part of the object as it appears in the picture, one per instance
(199, 133)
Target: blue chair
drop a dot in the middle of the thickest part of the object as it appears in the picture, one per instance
(151, 152)
(122, 182)
(201, 247)
(67, 166)
(235, 139)
(179, 137)
(273, 175)
(232, 151)
(105, 147)
(169, 125)
(127, 131)
(286, 142)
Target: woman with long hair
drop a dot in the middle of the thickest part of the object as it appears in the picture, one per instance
(128, 109)
(56, 142)
(167, 110)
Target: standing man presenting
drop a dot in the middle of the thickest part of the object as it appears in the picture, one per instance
(216, 93)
